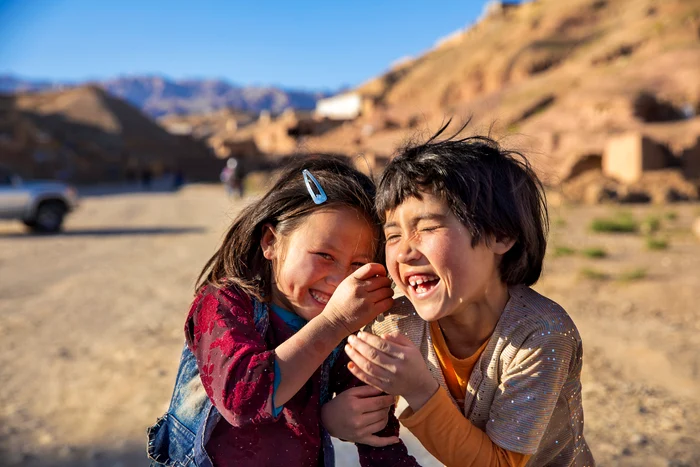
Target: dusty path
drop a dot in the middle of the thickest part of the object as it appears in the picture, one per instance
(91, 327)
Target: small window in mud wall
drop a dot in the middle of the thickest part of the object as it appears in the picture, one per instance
(586, 163)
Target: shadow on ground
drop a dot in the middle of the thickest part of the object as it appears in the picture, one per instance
(109, 232)
(159, 185)
(133, 456)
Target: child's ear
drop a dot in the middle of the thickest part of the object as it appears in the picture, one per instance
(268, 241)
(500, 246)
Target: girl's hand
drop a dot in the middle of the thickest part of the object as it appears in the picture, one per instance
(360, 298)
(355, 414)
(392, 364)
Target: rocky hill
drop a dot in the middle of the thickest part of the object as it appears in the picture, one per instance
(85, 135)
(560, 81)
(555, 79)
(158, 96)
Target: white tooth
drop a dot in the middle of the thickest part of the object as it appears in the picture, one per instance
(419, 281)
(319, 298)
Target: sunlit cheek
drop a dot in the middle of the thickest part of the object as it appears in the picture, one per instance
(297, 276)
(392, 266)
(277, 276)
(285, 283)
(445, 258)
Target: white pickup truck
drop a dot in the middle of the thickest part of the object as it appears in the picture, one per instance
(41, 205)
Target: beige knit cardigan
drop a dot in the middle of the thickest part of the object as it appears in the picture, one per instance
(525, 390)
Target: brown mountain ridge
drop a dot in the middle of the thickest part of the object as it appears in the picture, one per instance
(561, 81)
(555, 79)
(85, 135)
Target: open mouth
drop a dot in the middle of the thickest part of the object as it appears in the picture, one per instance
(421, 284)
(319, 296)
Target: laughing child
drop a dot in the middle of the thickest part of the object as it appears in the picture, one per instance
(490, 369)
(294, 276)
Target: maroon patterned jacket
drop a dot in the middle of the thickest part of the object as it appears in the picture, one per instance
(236, 365)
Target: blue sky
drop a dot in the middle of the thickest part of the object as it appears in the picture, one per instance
(309, 44)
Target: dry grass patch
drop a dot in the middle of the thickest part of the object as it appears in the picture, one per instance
(671, 215)
(622, 222)
(594, 274)
(655, 244)
(560, 222)
(650, 225)
(560, 251)
(594, 252)
(632, 275)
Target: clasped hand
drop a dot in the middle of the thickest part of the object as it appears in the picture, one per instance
(392, 364)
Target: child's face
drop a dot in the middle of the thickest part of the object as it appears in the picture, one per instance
(430, 256)
(314, 259)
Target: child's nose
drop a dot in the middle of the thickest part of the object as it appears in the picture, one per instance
(336, 276)
(407, 252)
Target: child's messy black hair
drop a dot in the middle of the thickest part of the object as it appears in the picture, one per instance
(492, 191)
(240, 261)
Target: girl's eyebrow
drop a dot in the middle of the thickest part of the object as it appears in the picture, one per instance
(333, 249)
(364, 258)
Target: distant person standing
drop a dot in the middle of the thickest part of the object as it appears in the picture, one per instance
(178, 178)
(232, 177)
(146, 178)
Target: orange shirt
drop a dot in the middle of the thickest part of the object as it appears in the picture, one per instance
(443, 429)
(456, 371)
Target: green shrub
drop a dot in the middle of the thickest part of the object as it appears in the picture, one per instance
(656, 243)
(622, 223)
(563, 251)
(594, 252)
(650, 225)
(671, 215)
(594, 274)
(633, 275)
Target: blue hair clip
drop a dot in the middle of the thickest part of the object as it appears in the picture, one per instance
(320, 197)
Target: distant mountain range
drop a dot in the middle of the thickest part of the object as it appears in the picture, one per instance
(158, 96)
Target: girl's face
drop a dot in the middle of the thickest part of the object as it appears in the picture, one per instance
(313, 260)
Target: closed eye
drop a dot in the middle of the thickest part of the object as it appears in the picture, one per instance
(430, 229)
(325, 256)
(357, 266)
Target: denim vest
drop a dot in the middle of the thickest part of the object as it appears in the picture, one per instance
(179, 438)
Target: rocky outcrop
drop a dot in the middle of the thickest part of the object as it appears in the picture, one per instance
(85, 135)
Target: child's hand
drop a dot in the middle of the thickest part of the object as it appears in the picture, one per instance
(392, 364)
(360, 298)
(355, 414)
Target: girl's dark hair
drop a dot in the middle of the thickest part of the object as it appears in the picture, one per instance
(492, 191)
(240, 261)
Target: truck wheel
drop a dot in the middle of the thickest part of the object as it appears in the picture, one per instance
(49, 217)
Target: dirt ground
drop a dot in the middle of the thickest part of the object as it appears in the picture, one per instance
(91, 328)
